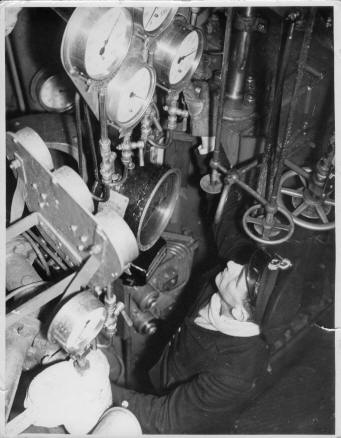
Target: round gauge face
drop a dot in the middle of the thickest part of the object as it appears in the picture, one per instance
(56, 94)
(154, 18)
(135, 96)
(107, 43)
(185, 58)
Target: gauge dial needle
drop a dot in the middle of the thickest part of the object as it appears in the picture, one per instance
(185, 56)
(101, 52)
(151, 16)
(132, 94)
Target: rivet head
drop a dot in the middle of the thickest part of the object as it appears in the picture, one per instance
(15, 164)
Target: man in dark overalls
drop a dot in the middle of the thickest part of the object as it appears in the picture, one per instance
(209, 369)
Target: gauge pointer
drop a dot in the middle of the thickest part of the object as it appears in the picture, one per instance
(185, 56)
(151, 16)
(132, 94)
(101, 52)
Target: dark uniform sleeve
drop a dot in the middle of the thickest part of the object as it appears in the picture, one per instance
(206, 404)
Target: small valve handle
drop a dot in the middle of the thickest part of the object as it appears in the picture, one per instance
(119, 309)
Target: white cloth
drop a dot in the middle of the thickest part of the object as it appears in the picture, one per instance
(60, 395)
(211, 318)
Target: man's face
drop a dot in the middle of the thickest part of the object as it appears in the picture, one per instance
(231, 284)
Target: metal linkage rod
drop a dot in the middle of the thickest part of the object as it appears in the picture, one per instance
(274, 122)
(225, 62)
(303, 56)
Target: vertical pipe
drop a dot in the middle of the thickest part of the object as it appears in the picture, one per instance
(103, 114)
(194, 15)
(107, 165)
(15, 76)
(79, 134)
(273, 135)
(303, 56)
(238, 61)
(224, 69)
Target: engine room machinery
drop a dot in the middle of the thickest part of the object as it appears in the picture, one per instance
(139, 141)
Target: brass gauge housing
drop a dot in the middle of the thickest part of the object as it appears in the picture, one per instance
(130, 92)
(96, 41)
(177, 53)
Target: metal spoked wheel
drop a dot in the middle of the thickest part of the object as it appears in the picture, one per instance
(269, 232)
(308, 211)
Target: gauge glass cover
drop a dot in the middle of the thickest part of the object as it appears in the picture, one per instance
(107, 43)
(134, 95)
(55, 94)
(153, 18)
(186, 55)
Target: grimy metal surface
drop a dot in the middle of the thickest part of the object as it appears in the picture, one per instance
(142, 187)
(69, 228)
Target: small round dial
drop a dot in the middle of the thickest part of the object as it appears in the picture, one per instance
(134, 95)
(56, 95)
(53, 91)
(157, 19)
(186, 55)
(130, 92)
(96, 41)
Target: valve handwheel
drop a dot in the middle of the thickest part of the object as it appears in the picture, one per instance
(307, 210)
(269, 229)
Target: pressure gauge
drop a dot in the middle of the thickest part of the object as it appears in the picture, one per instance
(177, 54)
(157, 19)
(96, 41)
(130, 92)
(53, 91)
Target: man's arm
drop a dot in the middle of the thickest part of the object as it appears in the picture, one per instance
(203, 405)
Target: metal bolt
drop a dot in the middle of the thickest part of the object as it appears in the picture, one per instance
(84, 238)
(35, 186)
(74, 228)
(15, 164)
(98, 290)
(81, 247)
(261, 27)
(43, 196)
(96, 249)
(250, 99)
(20, 328)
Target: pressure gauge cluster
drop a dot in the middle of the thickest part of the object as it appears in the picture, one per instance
(108, 47)
(103, 47)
